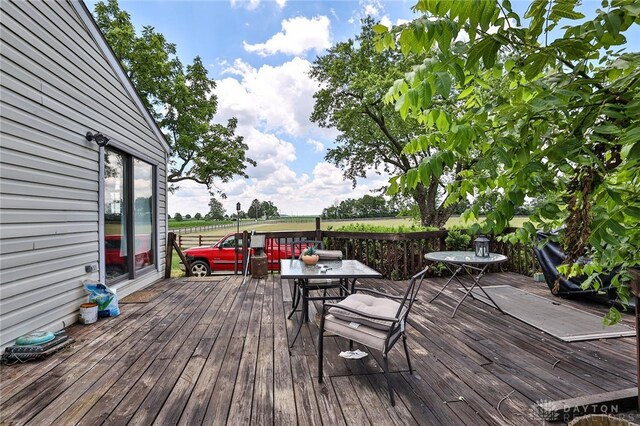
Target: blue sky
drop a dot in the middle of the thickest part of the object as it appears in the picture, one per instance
(259, 52)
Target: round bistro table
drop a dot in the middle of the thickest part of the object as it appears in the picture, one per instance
(475, 266)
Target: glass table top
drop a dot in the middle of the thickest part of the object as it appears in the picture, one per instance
(293, 268)
(464, 257)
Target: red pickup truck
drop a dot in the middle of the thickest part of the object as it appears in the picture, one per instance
(222, 256)
(116, 258)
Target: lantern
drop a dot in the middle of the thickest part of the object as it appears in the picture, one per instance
(482, 246)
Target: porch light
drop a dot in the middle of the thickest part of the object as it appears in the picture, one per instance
(100, 139)
(482, 246)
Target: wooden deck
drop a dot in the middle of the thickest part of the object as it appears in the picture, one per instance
(215, 351)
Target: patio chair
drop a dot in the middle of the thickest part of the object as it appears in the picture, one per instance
(374, 319)
(320, 284)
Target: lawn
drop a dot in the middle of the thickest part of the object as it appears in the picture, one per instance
(333, 225)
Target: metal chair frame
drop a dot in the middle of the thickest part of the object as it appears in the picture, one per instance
(396, 329)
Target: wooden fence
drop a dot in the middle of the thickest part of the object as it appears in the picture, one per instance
(399, 256)
(396, 255)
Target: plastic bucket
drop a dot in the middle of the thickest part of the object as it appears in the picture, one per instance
(88, 313)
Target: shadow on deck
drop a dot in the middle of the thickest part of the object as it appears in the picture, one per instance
(214, 351)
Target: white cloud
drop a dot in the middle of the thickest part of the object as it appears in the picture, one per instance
(371, 10)
(317, 145)
(386, 21)
(293, 194)
(281, 3)
(248, 4)
(278, 98)
(298, 35)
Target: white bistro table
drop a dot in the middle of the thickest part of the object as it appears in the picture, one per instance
(474, 266)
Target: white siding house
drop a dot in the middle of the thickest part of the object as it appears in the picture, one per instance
(69, 208)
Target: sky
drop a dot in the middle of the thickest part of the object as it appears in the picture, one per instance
(260, 53)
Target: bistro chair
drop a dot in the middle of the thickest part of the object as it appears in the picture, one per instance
(373, 319)
(302, 288)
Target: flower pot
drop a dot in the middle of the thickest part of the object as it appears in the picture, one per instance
(310, 260)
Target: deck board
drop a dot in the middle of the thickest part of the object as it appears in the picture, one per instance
(216, 352)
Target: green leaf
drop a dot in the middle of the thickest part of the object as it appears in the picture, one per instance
(564, 9)
(413, 97)
(458, 73)
(379, 29)
(393, 186)
(534, 64)
(632, 211)
(425, 94)
(612, 23)
(616, 227)
(402, 105)
(615, 196)
(442, 122)
(443, 84)
(425, 172)
(509, 64)
(412, 178)
(436, 167)
(632, 135)
(607, 129)
(466, 92)
(612, 317)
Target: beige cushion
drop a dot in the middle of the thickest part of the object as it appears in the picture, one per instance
(329, 254)
(371, 337)
(367, 304)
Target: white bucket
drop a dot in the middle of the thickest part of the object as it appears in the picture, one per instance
(88, 313)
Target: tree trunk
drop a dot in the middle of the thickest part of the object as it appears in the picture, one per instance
(431, 214)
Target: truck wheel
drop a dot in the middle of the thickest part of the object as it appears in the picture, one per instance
(199, 268)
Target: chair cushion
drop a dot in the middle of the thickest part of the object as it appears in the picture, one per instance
(370, 305)
(329, 254)
(371, 337)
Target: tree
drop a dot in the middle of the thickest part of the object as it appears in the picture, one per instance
(187, 216)
(565, 128)
(177, 217)
(253, 212)
(269, 210)
(197, 216)
(367, 206)
(181, 100)
(216, 210)
(354, 78)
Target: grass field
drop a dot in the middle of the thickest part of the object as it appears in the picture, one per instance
(326, 225)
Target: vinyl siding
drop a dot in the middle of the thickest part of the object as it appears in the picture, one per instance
(57, 84)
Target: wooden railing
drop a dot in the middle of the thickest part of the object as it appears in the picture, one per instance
(399, 256)
(396, 255)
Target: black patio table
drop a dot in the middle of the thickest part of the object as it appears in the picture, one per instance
(347, 271)
(456, 261)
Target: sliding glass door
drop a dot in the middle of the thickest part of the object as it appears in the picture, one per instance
(129, 223)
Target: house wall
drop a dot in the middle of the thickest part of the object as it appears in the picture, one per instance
(55, 85)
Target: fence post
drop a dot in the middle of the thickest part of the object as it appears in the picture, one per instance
(199, 240)
(318, 232)
(179, 240)
(171, 239)
(245, 250)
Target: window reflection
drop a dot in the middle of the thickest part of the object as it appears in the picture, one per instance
(115, 215)
(143, 213)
